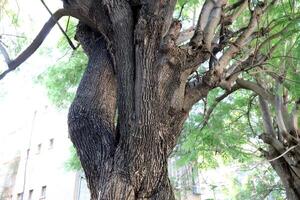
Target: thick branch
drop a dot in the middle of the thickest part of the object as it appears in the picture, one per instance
(214, 19)
(256, 88)
(279, 115)
(185, 36)
(240, 42)
(202, 22)
(92, 113)
(194, 93)
(241, 6)
(294, 118)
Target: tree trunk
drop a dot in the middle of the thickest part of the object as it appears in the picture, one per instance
(284, 151)
(142, 80)
(127, 160)
(136, 92)
(289, 178)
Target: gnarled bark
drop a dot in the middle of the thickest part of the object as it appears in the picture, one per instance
(138, 72)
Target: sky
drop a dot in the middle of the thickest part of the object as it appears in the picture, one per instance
(20, 95)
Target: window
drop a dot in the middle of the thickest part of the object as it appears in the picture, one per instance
(39, 147)
(20, 196)
(51, 142)
(30, 194)
(43, 192)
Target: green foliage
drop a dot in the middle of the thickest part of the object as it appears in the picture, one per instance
(184, 8)
(73, 163)
(62, 79)
(260, 183)
(223, 140)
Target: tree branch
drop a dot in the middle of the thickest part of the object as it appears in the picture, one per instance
(202, 22)
(13, 64)
(240, 42)
(185, 36)
(240, 5)
(267, 120)
(59, 26)
(4, 53)
(256, 88)
(214, 105)
(294, 118)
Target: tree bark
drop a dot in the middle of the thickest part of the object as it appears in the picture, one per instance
(141, 83)
(136, 94)
(92, 113)
(127, 160)
(283, 153)
(288, 177)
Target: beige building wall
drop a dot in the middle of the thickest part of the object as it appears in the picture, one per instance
(44, 148)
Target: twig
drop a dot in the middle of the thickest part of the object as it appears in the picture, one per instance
(214, 105)
(182, 7)
(249, 112)
(281, 155)
(4, 52)
(12, 35)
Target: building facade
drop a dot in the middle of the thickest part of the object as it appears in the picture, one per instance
(37, 170)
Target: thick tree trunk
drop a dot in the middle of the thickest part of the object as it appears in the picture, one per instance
(130, 167)
(137, 70)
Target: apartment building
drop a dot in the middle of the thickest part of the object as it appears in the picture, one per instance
(36, 170)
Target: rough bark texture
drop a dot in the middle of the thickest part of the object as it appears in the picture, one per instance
(141, 82)
(139, 86)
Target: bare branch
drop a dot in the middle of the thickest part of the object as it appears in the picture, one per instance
(279, 116)
(185, 36)
(193, 94)
(235, 5)
(214, 105)
(267, 120)
(256, 88)
(13, 64)
(235, 47)
(282, 154)
(202, 22)
(60, 27)
(214, 20)
(241, 5)
(4, 53)
(294, 117)
(249, 108)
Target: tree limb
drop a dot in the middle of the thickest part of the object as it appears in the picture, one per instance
(13, 64)
(59, 26)
(240, 42)
(185, 36)
(267, 120)
(202, 22)
(256, 88)
(214, 105)
(294, 117)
